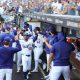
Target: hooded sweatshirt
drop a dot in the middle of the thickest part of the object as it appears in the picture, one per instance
(62, 51)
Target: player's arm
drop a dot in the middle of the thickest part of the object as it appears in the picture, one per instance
(51, 57)
(45, 40)
(18, 46)
(50, 60)
(47, 44)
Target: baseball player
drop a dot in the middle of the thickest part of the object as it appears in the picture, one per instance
(60, 54)
(52, 38)
(6, 58)
(38, 50)
(19, 54)
(26, 45)
(14, 33)
(49, 41)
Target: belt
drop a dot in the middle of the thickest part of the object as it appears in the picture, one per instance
(38, 46)
(26, 55)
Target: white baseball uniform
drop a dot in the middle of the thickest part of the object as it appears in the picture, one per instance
(19, 55)
(8, 73)
(38, 50)
(26, 54)
(56, 71)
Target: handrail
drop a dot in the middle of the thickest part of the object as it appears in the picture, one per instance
(60, 15)
(61, 20)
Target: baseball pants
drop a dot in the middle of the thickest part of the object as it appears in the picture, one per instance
(37, 54)
(26, 62)
(47, 61)
(7, 73)
(56, 72)
(19, 60)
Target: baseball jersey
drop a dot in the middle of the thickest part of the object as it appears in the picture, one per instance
(51, 40)
(26, 46)
(38, 42)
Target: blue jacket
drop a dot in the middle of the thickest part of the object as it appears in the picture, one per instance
(62, 51)
(6, 56)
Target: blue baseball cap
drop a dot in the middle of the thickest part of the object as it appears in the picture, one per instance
(26, 25)
(7, 39)
(7, 28)
(53, 30)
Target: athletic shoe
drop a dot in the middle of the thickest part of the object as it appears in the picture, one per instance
(44, 66)
(29, 73)
(34, 70)
(27, 77)
(18, 71)
(46, 77)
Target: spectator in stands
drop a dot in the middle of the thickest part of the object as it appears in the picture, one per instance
(49, 10)
(64, 9)
(59, 7)
(1, 9)
(1, 19)
(71, 8)
(54, 6)
(45, 6)
(78, 7)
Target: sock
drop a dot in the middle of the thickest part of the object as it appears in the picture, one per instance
(27, 71)
(25, 74)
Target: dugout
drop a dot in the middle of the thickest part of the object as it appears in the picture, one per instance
(66, 23)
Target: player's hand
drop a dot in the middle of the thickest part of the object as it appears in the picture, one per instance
(16, 38)
(18, 33)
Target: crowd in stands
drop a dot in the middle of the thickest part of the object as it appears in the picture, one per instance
(69, 7)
